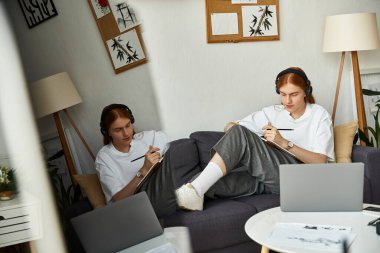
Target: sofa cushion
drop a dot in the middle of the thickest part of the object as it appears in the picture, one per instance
(205, 140)
(261, 202)
(90, 185)
(219, 225)
(343, 140)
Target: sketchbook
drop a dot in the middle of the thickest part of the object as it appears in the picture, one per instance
(147, 175)
(324, 238)
(273, 144)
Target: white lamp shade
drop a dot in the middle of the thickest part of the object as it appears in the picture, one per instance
(351, 32)
(53, 94)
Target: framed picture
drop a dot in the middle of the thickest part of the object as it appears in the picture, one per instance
(125, 49)
(100, 8)
(37, 11)
(242, 20)
(124, 14)
(259, 20)
(121, 33)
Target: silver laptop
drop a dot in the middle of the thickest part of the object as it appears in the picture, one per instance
(332, 187)
(118, 225)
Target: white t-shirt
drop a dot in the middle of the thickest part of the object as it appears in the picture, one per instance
(313, 131)
(115, 168)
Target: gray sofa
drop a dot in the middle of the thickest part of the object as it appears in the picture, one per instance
(220, 226)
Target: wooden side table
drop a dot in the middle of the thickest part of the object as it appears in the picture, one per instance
(20, 220)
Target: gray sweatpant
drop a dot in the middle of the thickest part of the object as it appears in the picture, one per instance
(252, 165)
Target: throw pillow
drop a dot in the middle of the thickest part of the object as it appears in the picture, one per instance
(343, 140)
(90, 184)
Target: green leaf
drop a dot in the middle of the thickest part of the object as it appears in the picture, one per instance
(364, 138)
(376, 133)
(370, 92)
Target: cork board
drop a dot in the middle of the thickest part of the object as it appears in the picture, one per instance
(120, 31)
(242, 20)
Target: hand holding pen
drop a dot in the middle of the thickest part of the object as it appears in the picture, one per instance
(151, 157)
(272, 133)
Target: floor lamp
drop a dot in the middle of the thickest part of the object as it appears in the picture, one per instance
(52, 95)
(351, 33)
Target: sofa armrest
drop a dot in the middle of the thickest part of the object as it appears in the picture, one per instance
(205, 140)
(370, 156)
(184, 160)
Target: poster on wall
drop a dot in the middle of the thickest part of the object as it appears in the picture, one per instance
(259, 20)
(124, 14)
(233, 21)
(121, 33)
(37, 11)
(125, 49)
(100, 8)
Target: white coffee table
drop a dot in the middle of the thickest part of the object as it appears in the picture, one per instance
(260, 226)
(178, 236)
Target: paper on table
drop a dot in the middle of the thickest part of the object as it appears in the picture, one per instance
(165, 248)
(224, 23)
(311, 236)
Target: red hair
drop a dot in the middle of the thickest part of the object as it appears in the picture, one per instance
(296, 80)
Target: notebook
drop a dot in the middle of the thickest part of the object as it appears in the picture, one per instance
(331, 187)
(272, 143)
(147, 175)
(118, 225)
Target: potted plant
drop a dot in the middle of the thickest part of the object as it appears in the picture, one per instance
(8, 185)
(374, 140)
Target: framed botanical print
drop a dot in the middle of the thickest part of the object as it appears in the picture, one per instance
(119, 28)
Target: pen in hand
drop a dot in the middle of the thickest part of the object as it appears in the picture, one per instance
(282, 129)
(138, 158)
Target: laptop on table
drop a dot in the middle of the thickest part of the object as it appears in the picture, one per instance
(331, 187)
(118, 226)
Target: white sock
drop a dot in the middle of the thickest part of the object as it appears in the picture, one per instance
(207, 178)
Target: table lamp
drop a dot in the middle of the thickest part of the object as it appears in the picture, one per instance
(51, 95)
(351, 33)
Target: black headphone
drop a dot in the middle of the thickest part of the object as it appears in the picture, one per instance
(107, 110)
(309, 89)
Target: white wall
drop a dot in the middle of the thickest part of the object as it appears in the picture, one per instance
(187, 85)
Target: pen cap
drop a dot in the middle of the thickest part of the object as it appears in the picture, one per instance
(378, 228)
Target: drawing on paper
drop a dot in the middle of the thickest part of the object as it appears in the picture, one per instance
(323, 241)
(124, 14)
(100, 7)
(38, 11)
(259, 20)
(125, 49)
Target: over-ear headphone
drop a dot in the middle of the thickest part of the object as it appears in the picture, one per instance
(107, 110)
(309, 88)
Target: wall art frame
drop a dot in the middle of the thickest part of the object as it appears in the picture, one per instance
(121, 33)
(242, 20)
(37, 11)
